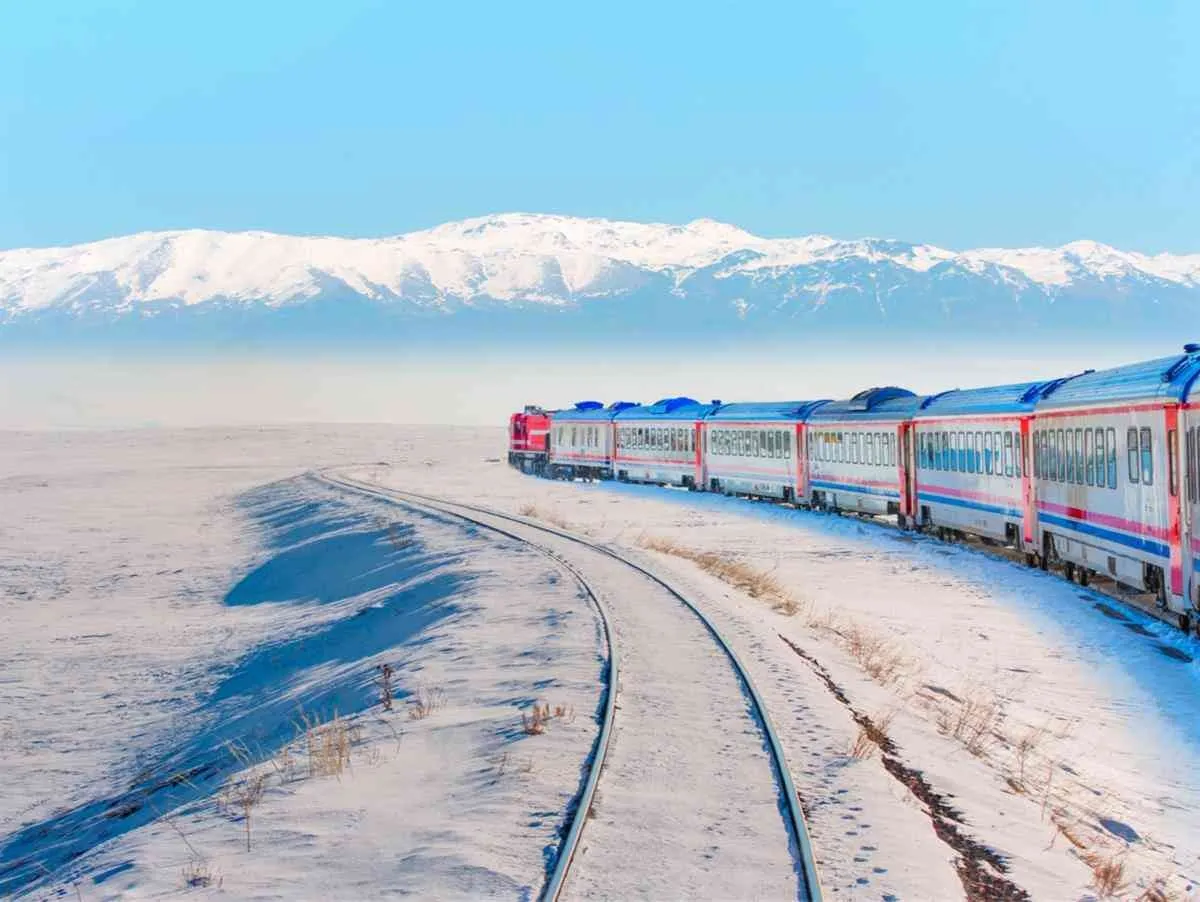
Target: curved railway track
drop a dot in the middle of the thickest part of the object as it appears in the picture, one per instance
(565, 865)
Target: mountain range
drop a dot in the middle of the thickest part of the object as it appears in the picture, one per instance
(562, 277)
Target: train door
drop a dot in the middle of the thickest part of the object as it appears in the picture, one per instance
(1176, 533)
(906, 474)
(1190, 540)
(698, 479)
(1028, 505)
(801, 490)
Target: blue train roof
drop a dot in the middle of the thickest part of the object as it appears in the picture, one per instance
(764, 410)
(590, 411)
(886, 403)
(1162, 379)
(1020, 397)
(668, 409)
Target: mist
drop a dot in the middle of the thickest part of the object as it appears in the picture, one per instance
(482, 386)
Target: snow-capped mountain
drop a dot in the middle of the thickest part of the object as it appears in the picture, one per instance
(615, 275)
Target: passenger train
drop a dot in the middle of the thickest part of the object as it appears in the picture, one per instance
(1096, 472)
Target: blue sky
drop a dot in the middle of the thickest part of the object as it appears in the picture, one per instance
(958, 123)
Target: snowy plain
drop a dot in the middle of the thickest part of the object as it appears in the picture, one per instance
(169, 593)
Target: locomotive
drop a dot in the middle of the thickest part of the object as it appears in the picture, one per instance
(1097, 472)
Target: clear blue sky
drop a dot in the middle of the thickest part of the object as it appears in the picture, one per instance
(959, 123)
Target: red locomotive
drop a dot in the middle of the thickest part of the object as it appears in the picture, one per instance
(528, 432)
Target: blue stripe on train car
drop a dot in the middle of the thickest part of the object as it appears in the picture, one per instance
(962, 502)
(1137, 542)
(861, 489)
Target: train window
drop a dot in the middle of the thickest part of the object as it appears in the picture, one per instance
(756, 448)
(1060, 455)
(1173, 462)
(1008, 454)
(1098, 454)
(922, 451)
(978, 451)
(963, 452)
(1037, 450)
(1131, 445)
(1078, 446)
(787, 444)
(1072, 454)
(1016, 454)
(869, 448)
(1089, 457)
(1110, 445)
(1191, 464)
(943, 451)
(1147, 457)
(1190, 454)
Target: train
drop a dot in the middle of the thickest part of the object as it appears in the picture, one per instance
(1094, 473)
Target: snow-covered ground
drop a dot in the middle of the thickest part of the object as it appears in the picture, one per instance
(172, 600)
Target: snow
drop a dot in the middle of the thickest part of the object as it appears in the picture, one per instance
(514, 256)
(164, 591)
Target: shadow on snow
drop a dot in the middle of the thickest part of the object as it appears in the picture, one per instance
(325, 552)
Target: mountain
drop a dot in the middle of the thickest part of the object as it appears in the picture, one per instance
(525, 274)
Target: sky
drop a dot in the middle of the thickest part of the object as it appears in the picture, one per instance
(957, 123)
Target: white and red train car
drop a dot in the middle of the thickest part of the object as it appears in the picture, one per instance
(1098, 472)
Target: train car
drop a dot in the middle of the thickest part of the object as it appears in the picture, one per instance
(660, 443)
(527, 434)
(1190, 424)
(581, 440)
(858, 453)
(757, 449)
(1109, 477)
(972, 470)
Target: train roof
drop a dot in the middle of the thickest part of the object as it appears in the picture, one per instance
(1019, 397)
(764, 410)
(883, 403)
(681, 408)
(1162, 379)
(591, 411)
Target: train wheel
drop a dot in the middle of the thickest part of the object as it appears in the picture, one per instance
(1185, 623)
(1084, 577)
(1030, 559)
(1069, 571)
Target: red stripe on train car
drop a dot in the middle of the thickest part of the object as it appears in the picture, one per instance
(1078, 513)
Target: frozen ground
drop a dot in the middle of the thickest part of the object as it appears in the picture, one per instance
(172, 599)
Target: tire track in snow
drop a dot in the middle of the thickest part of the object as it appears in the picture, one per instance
(695, 784)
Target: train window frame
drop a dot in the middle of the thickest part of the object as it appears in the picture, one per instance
(1060, 453)
(978, 442)
(1189, 443)
(952, 459)
(1147, 447)
(1111, 443)
(1089, 457)
(1072, 456)
(1037, 449)
(1008, 454)
(787, 444)
(1098, 453)
(1133, 460)
(1078, 448)
(944, 451)
(1173, 463)
(1016, 454)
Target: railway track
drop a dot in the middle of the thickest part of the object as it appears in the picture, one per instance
(671, 677)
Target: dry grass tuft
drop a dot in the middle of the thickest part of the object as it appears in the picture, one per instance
(531, 510)
(328, 745)
(1108, 873)
(879, 657)
(385, 686)
(872, 736)
(199, 875)
(535, 721)
(975, 721)
(755, 583)
(243, 795)
(425, 701)
(1157, 891)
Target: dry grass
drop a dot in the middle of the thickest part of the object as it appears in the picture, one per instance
(198, 875)
(755, 583)
(242, 795)
(975, 720)
(425, 701)
(1157, 891)
(328, 744)
(535, 721)
(385, 686)
(879, 657)
(531, 510)
(872, 735)
(1108, 873)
